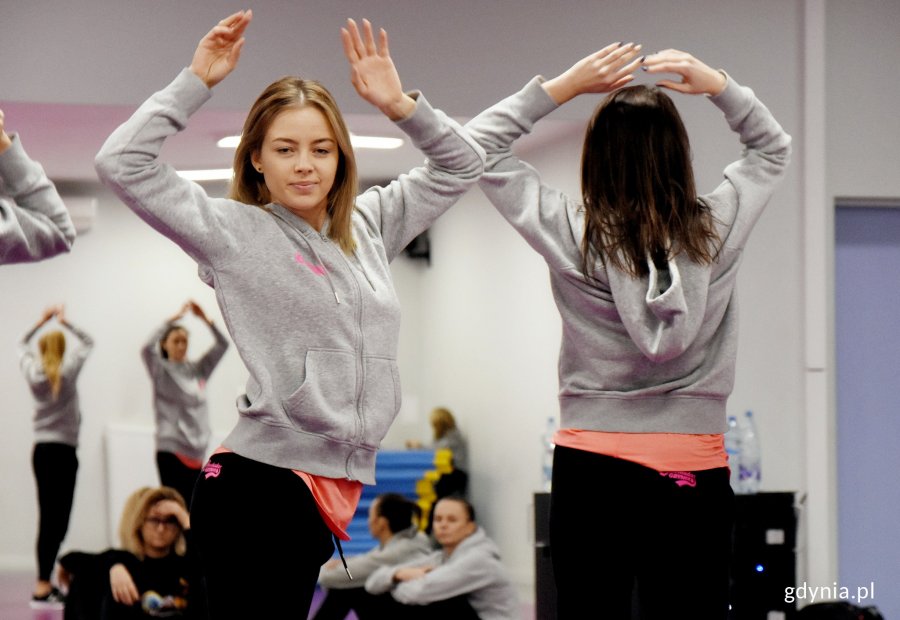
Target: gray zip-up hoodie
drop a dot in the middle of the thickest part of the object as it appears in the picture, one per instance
(473, 569)
(317, 329)
(34, 222)
(651, 354)
(179, 395)
(403, 546)
(55, 420)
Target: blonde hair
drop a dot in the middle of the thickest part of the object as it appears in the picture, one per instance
(135, 512)
(52, 346)
(442, 421)
(248, 185)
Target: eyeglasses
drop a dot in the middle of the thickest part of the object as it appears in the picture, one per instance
(171, 522)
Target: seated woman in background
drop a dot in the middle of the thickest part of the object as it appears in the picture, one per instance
(463, 580)
(151, 576)
(393, 522)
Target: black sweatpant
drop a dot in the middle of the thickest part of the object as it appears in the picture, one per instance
(384, 606)
(616, 526)
(260, 538)
(173, 473)
(55, 467)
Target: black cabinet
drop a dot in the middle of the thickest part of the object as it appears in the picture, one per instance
(764, 556)
(763, 559)
(545, 586)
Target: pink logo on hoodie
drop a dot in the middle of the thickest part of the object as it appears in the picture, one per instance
(319, 270)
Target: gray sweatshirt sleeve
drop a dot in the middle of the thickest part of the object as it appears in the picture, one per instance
(128, 162)
(150, 351)
(382, 580)
(544, 216)
(211, 358)
(464, 576)
(407, 206)
(76, 359)
(34, 222)
(28, 361)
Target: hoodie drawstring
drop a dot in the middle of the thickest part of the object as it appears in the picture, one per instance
(337, 541)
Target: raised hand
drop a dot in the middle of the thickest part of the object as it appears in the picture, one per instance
(171, 508)
(372, 71)
(696, 77)
(197, 310)
(603, 71)
(48, 314)
(218, 52)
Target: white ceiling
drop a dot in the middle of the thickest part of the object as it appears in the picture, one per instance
(72, 71)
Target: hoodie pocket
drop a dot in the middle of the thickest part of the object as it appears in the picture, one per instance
(325, 403)
(381, 398)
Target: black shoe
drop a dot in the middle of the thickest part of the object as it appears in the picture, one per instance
(54, 599)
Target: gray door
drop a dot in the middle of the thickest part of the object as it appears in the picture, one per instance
(867, 337)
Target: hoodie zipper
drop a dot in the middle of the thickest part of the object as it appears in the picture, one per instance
(360, 366)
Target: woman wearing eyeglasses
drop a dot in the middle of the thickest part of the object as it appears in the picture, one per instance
(150, 576)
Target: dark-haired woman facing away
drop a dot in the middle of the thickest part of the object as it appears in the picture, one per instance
(643, 273)
(301, 269)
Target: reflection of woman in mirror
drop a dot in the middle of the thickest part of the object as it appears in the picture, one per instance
(301, 270)
(51, 372)
(179, 399)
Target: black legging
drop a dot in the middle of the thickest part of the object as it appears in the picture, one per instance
(614, 524)
(173, 473)
(55, 467)
(260, 539)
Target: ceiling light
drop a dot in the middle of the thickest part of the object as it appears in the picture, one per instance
(229, 142)
(375, 142)
(358, 142)
(217, 174)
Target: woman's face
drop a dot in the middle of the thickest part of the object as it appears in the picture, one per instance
(451, 524)
(160, 531)
(176, 345)
(299, 160)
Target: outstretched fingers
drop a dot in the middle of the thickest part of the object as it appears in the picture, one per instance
(359, 45)
(353, 38)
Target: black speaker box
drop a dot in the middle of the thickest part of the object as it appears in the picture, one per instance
(764, 556)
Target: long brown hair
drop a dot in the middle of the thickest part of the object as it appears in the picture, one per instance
(637, 185)
(248, 185)
(52, 346)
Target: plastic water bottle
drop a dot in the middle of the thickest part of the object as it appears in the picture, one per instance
(750, 455)
(547, 446)
(733, 449)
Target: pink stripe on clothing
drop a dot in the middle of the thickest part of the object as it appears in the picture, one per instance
(665, 452)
